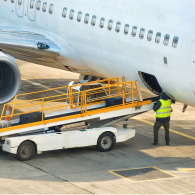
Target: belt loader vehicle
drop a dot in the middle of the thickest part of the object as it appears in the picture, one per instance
(99, 104)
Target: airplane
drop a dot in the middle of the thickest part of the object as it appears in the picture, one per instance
(151, 41)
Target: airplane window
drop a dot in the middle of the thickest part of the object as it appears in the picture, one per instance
(134, 31)
(79, 16)
(166, 39)
(110, 23)
(71, 14)
(44, 7)
(93, 21)
(51, 8)
(86, 18)
(141, 34)
(158, 37)
(150, 34)
(38, 5)
(102, 22)
(19, 2)
(64, 12)
(12, 1)
(32, 4)
(118, 26)
(126, 29)
(175, 42)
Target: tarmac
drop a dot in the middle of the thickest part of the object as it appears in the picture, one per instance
(132, 167)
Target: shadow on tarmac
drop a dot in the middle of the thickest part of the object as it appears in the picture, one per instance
(90, 165)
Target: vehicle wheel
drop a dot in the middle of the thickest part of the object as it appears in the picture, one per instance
(26, 151)
(105, 142)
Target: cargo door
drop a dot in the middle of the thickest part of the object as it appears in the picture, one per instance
(20, 8)
(31, 10)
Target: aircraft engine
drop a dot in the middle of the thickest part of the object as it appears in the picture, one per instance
(10, 78)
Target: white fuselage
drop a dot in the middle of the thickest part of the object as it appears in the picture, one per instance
(108, 53)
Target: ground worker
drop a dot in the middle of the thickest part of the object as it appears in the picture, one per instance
(163, 113)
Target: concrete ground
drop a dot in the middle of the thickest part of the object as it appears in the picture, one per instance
(88, 171)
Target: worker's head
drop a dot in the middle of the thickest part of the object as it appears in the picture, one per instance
(163, 96)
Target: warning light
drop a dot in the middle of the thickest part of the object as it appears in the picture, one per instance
(75, 81)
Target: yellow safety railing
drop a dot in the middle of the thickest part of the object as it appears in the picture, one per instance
(113, 87)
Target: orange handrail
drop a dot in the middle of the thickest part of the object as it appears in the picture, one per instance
(119, 86)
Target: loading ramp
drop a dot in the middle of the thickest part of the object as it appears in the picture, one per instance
(90, 106)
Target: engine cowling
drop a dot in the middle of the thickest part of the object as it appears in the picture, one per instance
(10, 78)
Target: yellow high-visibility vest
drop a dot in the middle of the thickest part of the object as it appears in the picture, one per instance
(165, 110)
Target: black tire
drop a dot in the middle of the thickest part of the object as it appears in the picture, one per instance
(105, 142)
(26, 151)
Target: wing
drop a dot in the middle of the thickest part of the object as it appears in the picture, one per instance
(30, 46)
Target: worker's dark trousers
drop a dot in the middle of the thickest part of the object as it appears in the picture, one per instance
(157, 126)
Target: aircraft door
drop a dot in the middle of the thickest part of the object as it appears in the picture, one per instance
(20, 8)
(31, 10)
